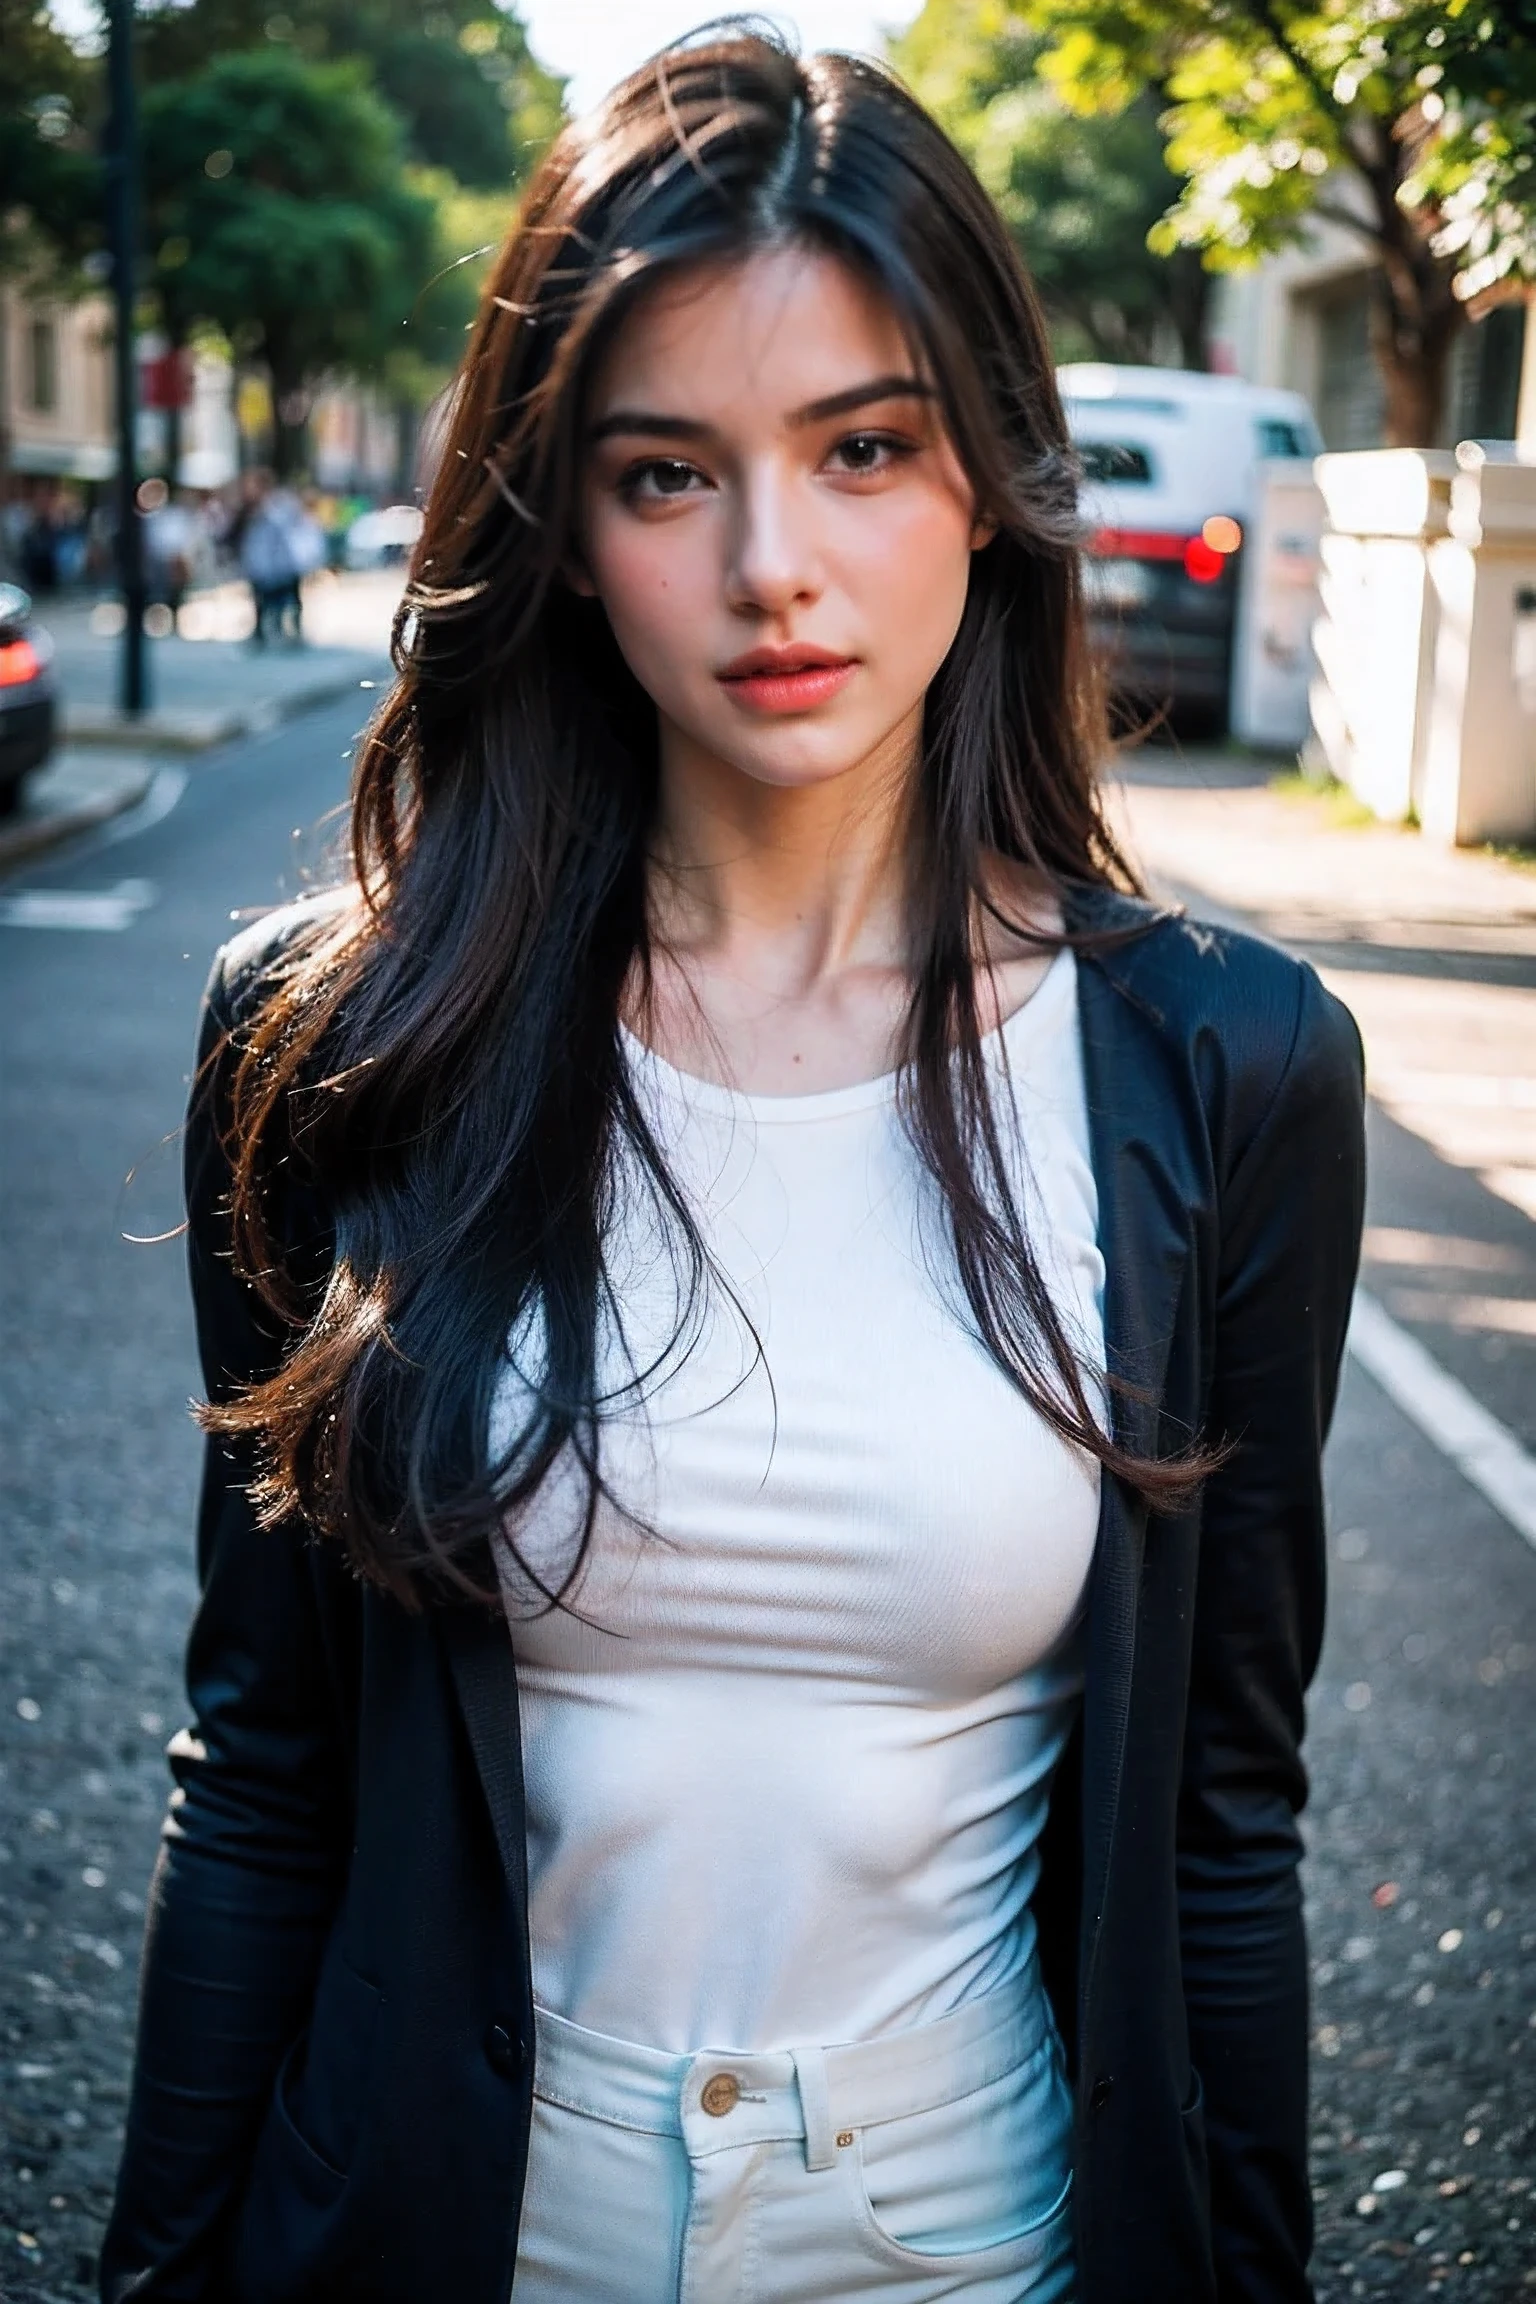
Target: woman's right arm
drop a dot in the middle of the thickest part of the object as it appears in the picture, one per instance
(255, 1841)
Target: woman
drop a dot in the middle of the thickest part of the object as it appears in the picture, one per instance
(769, 1328)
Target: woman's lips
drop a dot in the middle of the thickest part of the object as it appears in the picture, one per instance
(794, 688)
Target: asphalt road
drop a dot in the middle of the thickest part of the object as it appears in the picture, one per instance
(1422, 1881)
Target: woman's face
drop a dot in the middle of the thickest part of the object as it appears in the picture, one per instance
(774, 518)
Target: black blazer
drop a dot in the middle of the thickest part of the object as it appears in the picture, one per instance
(332, 2095)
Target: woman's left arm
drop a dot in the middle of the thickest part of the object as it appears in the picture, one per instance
(1291, 1212)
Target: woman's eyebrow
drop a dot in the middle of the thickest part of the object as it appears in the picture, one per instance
(862, 396)
(654, 425)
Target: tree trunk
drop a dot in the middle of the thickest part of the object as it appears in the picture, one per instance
(290, 417)
(5, 411)
(408, 449)
(1189, 306)
(1413, 335)
(290, 438)
(176, 346)
(1415, 392)
(1415, 319)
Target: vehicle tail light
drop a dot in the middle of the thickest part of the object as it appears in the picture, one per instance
(19, 662)
(1206, 555)
(1138, 544)
(1203, 557)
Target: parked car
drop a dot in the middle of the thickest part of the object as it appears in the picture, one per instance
(1170, 467)
(380, 539)
(28, 705)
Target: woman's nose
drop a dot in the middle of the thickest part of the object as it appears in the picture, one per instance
(773, 548)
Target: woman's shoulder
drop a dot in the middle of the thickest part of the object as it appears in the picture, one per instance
(1227, 998)
(248, 966)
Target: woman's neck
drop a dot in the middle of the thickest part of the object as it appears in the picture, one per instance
(779, 941)
(783, 887)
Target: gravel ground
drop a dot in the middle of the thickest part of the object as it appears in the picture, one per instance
(1422, 1881)
(95, 1588)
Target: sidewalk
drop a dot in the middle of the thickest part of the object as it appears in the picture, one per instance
(208, 687)
(1434, 951)
(1217, 823)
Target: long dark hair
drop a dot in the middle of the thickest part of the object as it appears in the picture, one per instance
(440, 1053)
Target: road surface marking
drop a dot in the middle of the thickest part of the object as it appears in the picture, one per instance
(103, 909)
(166, 788)
(1502, 1315)
(1394, 1244)
(1461, 1091)
(1481, 1448)
(1516, 1185)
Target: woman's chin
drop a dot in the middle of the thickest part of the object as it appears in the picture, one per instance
(789, 755)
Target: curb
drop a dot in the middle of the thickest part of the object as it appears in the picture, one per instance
(186, 733)
(199, 731)
(19, 843)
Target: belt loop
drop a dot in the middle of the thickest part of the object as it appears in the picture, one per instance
(815, 2107)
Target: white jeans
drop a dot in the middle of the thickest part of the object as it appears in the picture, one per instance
(923, 2165)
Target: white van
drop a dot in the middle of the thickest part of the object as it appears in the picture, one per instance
(1170, 470)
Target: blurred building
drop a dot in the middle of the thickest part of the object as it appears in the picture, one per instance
(357, 441)
(1302, 320)
(55, 389)
(58, 448)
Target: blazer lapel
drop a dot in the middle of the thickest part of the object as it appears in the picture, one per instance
(1144, 1244)
(485, 1677)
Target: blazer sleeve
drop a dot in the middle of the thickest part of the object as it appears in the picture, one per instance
(254, 1843)
(1291, 1212)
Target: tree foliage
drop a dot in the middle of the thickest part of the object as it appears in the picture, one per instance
(473, 100)
(1080, 193)
(49, 174)
(1411, 123)
(283, 212)
(315, 179)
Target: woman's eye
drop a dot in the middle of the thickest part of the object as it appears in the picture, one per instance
(658, 477)
(868, 452)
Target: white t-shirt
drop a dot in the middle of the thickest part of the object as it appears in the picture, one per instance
(787, 1746)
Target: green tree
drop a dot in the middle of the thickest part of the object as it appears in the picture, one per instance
(1080, 194)
(473, 99)
(281, 210)
(49, 173)
(1410, 123)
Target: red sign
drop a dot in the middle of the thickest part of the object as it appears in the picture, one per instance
(166, 381)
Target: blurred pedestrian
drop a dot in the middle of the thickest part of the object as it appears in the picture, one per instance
(15, 521)
(279, 544)
(171, 538)
(41, 544)
(769, 1326)
(305, 541)
(259, 537)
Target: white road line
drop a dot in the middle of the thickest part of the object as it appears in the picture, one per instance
(165, 790)
(1482, 1448)
(106, 910)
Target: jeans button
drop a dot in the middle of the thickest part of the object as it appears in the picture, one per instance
(721, 2094)
(504, 2051)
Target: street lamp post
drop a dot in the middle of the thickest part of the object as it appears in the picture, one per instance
(123, 244)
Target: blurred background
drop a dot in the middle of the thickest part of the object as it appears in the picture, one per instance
(1288, 254)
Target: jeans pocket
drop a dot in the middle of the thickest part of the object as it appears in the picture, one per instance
(990, 2172)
